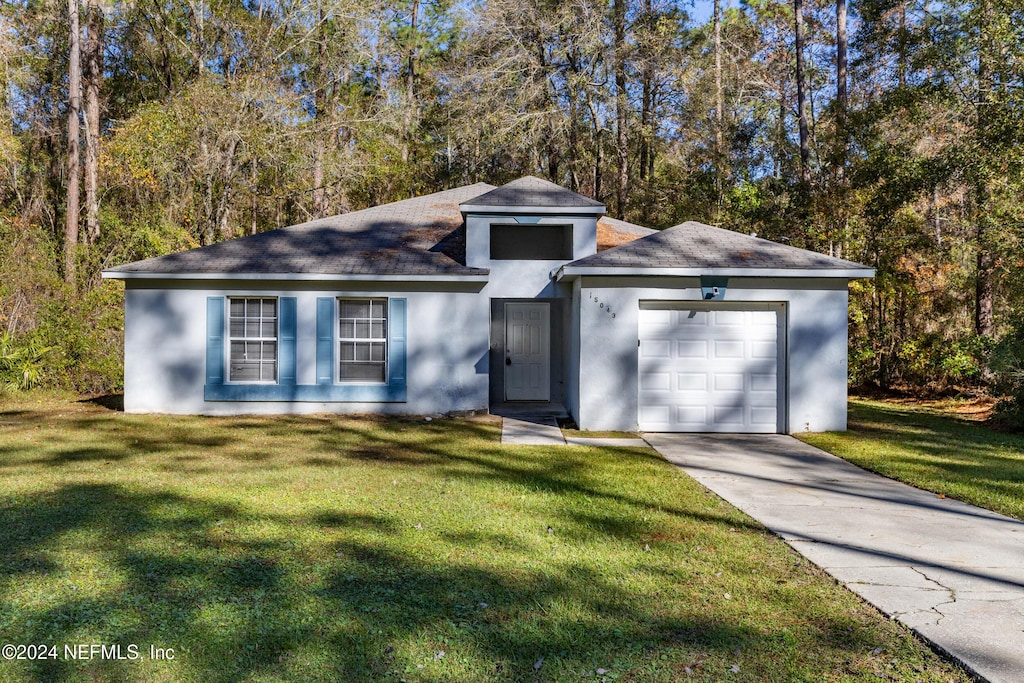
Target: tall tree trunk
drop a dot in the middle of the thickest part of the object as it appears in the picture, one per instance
(621, 105)
(841, 95)
(781, 140)
(74, 106)
(841, 145)
(983, 289)
(901, 46)
(554, 160)
(801, 97)
(719, 111)
(646, 78)
(93, 80)
(410, 83)
(320, 103)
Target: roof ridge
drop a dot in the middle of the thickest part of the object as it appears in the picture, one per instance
(531, 191)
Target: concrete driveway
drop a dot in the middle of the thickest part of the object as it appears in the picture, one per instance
(952, 572)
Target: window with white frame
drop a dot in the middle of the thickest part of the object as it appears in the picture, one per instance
(363, 340)
(252, 339)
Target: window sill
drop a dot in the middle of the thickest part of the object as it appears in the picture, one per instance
(307, 393)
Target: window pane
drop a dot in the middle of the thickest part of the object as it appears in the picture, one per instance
(363, 372)
(252, 320)
(269, 371)
(245, 372)
(355, 309)
(362, 320)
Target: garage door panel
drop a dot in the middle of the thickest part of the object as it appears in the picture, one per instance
(697, 349)
(694, 415)
(728, 349)
(656, 348)
(729, 381)
(656, 381)
(763, 349)
(729, 415)
(691, 319)
(654, 317)
(726, 318)
(722, 370)
(656, 415)
(691, 381)
(763, 416)
(763, 381)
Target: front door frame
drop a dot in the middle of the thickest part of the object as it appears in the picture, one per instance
(534, 358)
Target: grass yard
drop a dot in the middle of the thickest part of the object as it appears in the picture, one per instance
(359, 549)
(934, 450)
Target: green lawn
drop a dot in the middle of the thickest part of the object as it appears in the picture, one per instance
(344, 549)
(935, 451)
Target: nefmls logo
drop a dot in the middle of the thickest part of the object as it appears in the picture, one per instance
(99, 651)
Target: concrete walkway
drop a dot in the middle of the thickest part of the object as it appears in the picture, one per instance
(534, 431)
(952, 572)
(544, 431)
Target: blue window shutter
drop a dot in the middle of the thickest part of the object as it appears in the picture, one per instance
(214, 340)
(324, 340)
(396, 323)
(286, 355)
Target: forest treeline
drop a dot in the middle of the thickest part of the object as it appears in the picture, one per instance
(887, 132)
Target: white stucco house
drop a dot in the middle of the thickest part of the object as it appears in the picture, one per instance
(481, 297)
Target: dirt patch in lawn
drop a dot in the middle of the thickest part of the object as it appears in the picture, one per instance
(964, 407)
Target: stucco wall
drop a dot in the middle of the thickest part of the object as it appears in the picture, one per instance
(478, 234)
(815, 352)
(165, 347)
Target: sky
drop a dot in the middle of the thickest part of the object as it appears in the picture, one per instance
(702, 10)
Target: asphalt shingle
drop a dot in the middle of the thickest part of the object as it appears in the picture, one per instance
(533, 191)
(419, 236)
(695, 245)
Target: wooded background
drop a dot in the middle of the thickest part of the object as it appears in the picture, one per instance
(887, 132)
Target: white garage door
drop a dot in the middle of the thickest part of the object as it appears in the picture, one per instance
(707, 369)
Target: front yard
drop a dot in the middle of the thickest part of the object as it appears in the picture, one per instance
(324, 548)
(933, 449)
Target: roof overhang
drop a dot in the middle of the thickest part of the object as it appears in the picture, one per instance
(570, 272)
(532, 210)
(483, 276)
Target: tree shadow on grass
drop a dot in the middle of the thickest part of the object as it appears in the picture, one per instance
(236, 608)
(113, 402)
(947, 450)
(306, 591)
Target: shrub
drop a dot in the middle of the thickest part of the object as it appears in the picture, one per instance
(1008, 366)
(21, 362)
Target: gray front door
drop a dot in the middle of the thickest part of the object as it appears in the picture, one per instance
(527, 351)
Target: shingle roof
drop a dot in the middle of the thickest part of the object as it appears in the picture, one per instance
(419, 236)
(695, 245)
(530, 191)
(611, 232)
